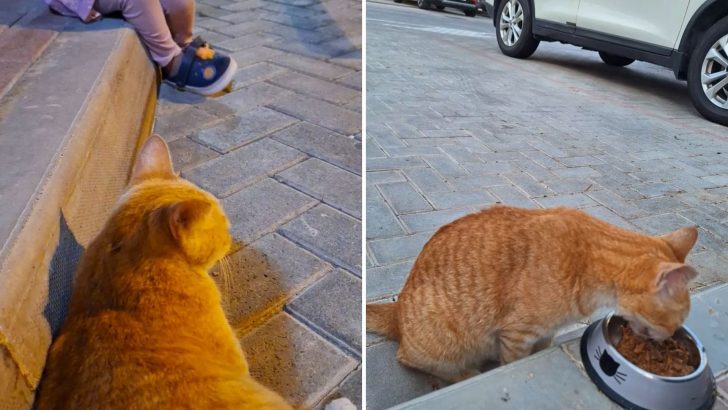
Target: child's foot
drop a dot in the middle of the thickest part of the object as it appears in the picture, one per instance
(203, 70)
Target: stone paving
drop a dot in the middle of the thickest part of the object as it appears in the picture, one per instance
(453, 126)
(283, 153)
(529, 383)
(21, 40)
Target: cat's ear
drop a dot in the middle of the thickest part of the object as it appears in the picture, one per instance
(183, 215)
(154, 161)
(673, 276)
(681, 241)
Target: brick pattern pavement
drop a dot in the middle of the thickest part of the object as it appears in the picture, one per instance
(454, 126)
(443, 141)
(283, 153)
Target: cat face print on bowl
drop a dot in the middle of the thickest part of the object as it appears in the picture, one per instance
(635, 388)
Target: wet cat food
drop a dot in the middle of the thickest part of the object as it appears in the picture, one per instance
(670, 357)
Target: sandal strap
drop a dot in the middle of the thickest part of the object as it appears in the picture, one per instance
(189, 54)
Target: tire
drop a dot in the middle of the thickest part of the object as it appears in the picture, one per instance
(397, 1)
(617, 61)
(423, 4)
(515, 45)
(471, 13)
(714, 107)
(440, 7)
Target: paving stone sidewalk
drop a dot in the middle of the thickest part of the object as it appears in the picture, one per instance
(458, 126)
(454, 126)
(283, 153)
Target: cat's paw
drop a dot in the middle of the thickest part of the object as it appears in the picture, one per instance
(340, 404)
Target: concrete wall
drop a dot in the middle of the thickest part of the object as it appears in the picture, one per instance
(93, 95)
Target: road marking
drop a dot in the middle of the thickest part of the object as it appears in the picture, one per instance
(433, 29)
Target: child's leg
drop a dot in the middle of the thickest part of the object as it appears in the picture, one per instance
(147, 17)
(165, 27)
(181, 19)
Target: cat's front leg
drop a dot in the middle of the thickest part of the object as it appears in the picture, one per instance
(516, 344)
(542, 344)
(439, 367)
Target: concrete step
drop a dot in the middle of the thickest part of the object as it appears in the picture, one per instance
(22, 39)
(399, 384)
(555, 378)
(69, 128)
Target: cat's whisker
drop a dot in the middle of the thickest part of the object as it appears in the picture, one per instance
(225, 274)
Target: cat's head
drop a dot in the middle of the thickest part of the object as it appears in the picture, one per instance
(162, 214)
(658, 306)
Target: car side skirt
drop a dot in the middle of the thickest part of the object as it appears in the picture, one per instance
(598, 41)
(458, 5)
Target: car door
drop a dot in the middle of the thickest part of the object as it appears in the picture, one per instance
(562, 12)
(650, 25)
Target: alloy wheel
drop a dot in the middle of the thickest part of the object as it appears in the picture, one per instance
(511, 22)
(714, 73)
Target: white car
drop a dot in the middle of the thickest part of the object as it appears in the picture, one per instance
(688, 36)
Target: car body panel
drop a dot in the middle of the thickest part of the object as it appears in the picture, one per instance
(550, 12)
(557, 11)
(647, 21)
(670, 52)
(694, 7)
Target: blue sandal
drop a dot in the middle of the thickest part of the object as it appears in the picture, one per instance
(202, 70)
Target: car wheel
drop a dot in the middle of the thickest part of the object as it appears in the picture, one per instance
(423, 4)
(440, 7)
(708, 73)
(611, 59)
(514, 31)
(471, 13)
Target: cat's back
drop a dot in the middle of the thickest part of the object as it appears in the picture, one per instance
(162, 343)
(145, 328)
(485, 245)
(499, 225)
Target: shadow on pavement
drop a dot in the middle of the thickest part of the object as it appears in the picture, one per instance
(60, 277)
(663, 86)
(314, 18)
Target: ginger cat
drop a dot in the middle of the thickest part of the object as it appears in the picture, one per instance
(145, 328)
(496, 285)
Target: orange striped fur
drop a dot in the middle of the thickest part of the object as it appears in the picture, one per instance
(145, 328)
(496, 286)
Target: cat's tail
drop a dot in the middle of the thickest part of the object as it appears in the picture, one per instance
(382, 319)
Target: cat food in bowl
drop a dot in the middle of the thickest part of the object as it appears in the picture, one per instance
(640, 373)
(673, 357)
